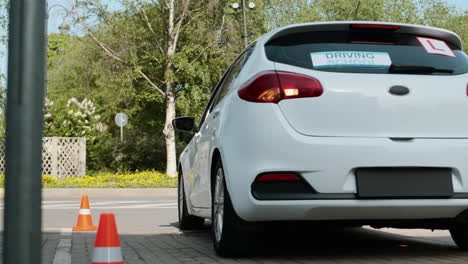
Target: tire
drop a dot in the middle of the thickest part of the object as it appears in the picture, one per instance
(186, 221)
(459, 233)
(229, 238)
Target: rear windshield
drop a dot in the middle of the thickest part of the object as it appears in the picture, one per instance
(368, 52)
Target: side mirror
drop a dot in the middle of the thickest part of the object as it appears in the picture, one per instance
(184, 124)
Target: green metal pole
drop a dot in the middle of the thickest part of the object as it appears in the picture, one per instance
(24, 123)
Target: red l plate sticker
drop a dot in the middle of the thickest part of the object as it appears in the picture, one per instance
(435, 46)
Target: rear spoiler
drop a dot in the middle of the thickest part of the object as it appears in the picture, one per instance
(418, 30)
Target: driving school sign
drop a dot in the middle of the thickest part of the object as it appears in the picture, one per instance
(350, 58)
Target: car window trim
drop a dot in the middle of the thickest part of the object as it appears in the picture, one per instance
(239, 61)
(220, 83)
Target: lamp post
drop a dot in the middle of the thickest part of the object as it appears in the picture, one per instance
(64, 28)
(236, 6)
(24, 119)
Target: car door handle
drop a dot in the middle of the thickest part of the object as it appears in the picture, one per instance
(197, 137)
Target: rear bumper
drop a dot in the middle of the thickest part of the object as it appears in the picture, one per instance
(353, 210)
(337, 196)
(259, 140)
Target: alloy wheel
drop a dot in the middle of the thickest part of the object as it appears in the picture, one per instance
(181, 199)
(218, 205)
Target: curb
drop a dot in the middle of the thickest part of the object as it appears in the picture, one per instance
(105, 192)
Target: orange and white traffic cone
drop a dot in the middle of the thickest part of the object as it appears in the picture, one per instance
(85, 222)
(107, 245)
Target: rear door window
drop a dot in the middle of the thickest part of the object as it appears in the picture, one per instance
(223, 85)
(346, 51)
(234, 71)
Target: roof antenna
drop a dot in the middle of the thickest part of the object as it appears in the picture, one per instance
(357, 10)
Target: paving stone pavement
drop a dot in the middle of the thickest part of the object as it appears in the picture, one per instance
(329, 246)
(149, 234)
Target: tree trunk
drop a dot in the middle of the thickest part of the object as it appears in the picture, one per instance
(169, 135)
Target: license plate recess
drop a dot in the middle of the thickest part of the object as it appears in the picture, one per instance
(404, 182)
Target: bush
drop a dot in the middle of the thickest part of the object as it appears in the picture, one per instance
(138, 151)
(146, 179)
(49, 180)
(78, 118)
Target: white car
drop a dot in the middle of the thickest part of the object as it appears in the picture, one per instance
(359, 123)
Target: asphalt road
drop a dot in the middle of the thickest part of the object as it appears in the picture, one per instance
(135, 215)
(149, 234)
(150, 214)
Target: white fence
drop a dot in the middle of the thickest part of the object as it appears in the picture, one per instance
(61, 156)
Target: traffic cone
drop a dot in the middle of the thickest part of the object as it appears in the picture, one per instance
(85, 222)
(107, 245)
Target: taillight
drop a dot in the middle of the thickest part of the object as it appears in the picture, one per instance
(374, 26)
(272, 87)
(268, 177)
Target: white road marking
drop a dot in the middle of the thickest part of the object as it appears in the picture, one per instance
(67, 205)
(135, 206)
(77, 203)
(58, 202)
(63, 251)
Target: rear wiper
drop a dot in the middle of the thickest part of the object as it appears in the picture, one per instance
(400, 68)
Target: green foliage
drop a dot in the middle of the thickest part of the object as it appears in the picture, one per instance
(3, 41)
(77, 70)
(57, 45)
(77, 119)
(3, 21)
(82, 70)
(208, 43)
(139, 149)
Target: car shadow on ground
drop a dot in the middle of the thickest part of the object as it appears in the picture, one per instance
(342, 245)
(325, 245)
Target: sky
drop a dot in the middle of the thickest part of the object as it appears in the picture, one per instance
(462, 4)
(58, 14)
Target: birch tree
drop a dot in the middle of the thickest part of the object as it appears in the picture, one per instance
(154, 58)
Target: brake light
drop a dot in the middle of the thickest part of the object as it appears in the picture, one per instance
(272, 87)
(277, 177)
(375, 26)
(373, 42)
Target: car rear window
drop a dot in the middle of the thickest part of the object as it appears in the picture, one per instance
(392, 48)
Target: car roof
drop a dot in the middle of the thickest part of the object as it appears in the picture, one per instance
(427, 31)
